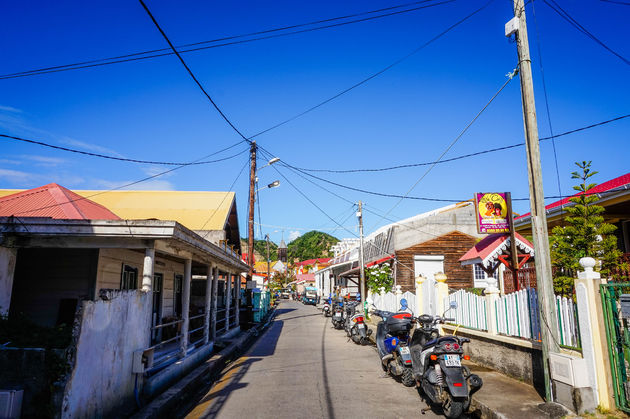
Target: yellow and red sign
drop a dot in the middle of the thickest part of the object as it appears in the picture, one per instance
(492, 212)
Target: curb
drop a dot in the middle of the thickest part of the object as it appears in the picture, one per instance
(164, 405)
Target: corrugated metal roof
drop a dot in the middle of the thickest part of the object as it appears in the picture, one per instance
(53, 201)
(197, 210)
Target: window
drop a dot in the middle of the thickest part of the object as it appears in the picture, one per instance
(480, 276)
(129, 278)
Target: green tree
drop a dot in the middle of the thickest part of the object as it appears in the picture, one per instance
(379, 276)
(585, 234)
(311, 245)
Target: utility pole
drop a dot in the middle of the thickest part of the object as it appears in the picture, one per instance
(268, 261)
(536, 196)
(361, 258)
(252, 197)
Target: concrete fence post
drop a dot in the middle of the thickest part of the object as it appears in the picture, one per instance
(442, 292)
(147, 269)
(419, 296)
(492, 296)
(593, 332)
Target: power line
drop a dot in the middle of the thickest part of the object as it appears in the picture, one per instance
(110, 157)
(462, 132)
(566, 16)
(170, 44)
(623, 3)
(544, 83)
(224, 197)
(123, 186)
(378, 73)
(162, 52)
(492, 150)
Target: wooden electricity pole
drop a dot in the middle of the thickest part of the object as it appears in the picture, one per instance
(549, 334)
(362, 288)
(252, 197)
(268, 262)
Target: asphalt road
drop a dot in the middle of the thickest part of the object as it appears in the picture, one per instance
(303, 368)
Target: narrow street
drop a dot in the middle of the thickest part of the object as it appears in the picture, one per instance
(303, 368)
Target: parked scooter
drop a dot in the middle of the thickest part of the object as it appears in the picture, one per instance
(337, 315)
(392, 342)
(437, 366)
(359, 332)
(326, 308)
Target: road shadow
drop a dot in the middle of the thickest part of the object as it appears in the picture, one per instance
(329, 403)
(211, 404)
(266, 343)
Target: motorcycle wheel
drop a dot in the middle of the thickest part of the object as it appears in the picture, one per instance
(407, 378)
(453, 408)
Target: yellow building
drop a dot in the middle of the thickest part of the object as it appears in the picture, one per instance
(211, 214)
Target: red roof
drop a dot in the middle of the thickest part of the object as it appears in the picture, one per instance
(53, 201)
(313, 261)
(602, 187)
(304, 278)
(489, 244)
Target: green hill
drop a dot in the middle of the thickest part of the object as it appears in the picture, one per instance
(260, 250)
(311, 245)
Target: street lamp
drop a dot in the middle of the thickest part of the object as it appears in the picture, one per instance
(270, 162)
(273, 184)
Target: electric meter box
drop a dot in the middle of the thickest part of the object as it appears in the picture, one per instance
(511, 27)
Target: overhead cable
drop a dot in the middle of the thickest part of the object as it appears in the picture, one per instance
(378, 73)
(170, 44)
(566, 16)
(110, 157)
(127, 184)
(186, 48)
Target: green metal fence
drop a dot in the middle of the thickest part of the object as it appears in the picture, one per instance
(618, 336)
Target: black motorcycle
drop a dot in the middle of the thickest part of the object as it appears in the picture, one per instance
(392, 342)
(337, 315)
(437, 367)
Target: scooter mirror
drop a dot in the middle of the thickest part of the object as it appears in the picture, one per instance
(453, 304)
(403, 304)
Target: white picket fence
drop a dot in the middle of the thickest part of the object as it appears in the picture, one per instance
(390, 301)
(471, 309)
(516, 315)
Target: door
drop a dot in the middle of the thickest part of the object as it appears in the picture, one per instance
(427, 266)
(156, 316)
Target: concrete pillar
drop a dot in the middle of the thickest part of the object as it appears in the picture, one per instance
(147, 269)
(208, 308)
(442, 292)
(228, 299)
(419, 295)
(593, 332)
(186, 305)
(8, 257)
(492, 296)
(237, 302)
(215, 291)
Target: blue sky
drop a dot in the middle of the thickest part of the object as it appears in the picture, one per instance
(152, 110)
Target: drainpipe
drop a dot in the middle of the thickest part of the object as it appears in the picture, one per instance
(186, 305)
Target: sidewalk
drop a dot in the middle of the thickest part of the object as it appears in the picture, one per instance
(166, 404)
(503, 397)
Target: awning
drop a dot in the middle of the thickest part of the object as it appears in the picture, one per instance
(488, 251)
(355, 271)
